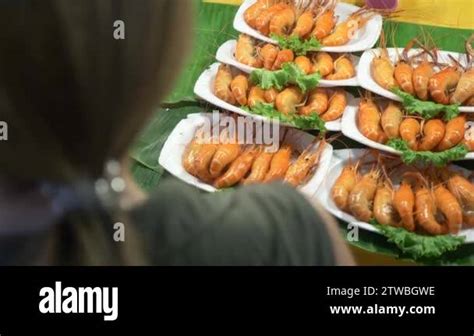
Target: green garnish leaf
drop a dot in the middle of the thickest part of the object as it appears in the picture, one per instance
(426, 109)
(312, 122)
(419, 246)
(298, 46)
(290, 73)
(439, 159)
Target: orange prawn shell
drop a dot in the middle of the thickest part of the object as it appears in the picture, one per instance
(404, 77)
(343, 69)
(391, 118)
(324, 25)
(318, 102)
(447, 203)
(287, 100)
(404, 203)
(368, 120)
(362, 196)
(409, 130)
(279, 164)
(269, 54)
(246, 52)
(455, 131)
(337, 106)
(343, 186)
(433, 133)
(441, 82)
(222, 84)
(421, 79)
(239, 87)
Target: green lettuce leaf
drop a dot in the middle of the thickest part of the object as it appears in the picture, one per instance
(312, 122)
(419, 246)
(426, 109)
(290, 73)
(439, 159)
(298, 46)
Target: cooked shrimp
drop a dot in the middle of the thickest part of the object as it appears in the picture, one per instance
(299, 172)
(279, 165)
(384, 210)
(225, 154)
(287, 100)
(455, 129)
(262, 21)
(449, 207)
(203, 160)
(362, 196)
(191, 152)
(433, 132)
(304, 63)
(318, 102)
(283, 56)
(260, 168)
(404, 77)
(304, 24)
(246, 52)
(271, 94)
(391, 119)
(345, 31)
(254, 11)
(465, 88)
(344, 185)
(282, 22)
(463, 190)
(421, 79)
(442, 83)
(269, 53)
(256, 95)
(383, 71)
(238, 169)
(239, 87)
(323, 63)
(404, 203)
(222, 84)
(409, 131)
(425, 209)
(368, 120)
(324, 25)
(337, 106)
(343, 69)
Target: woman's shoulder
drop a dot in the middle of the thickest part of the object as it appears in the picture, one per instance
(258, 225)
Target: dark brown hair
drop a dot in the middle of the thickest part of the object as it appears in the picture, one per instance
(73, 95)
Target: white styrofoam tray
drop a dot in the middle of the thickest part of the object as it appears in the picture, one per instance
(365, 79)
(339, 160)
(351, 130)
(174, 147)
(226, 54)
(203, 89)
(365, 38)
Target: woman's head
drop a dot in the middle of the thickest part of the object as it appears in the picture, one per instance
(72, 94)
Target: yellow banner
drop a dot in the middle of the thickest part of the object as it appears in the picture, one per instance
(452, 13)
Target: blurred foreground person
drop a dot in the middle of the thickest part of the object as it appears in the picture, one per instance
(74, 98)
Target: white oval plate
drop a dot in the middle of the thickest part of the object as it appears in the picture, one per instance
(339, 159)
(350, 130)
(203, 89)
(365, 38)
(365, 79)
(174, 147)
(226, 54)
